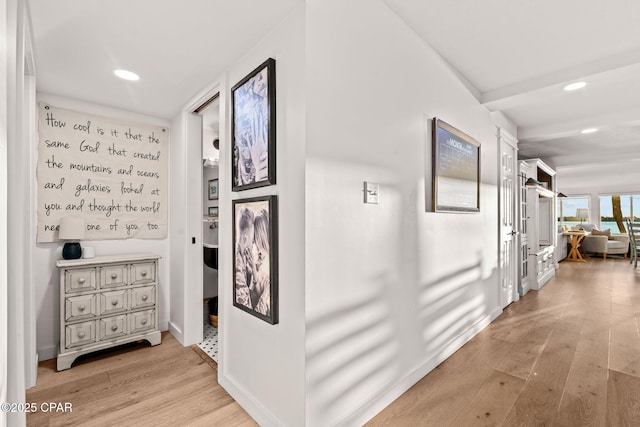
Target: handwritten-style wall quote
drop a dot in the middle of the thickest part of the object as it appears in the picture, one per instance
(111, 173)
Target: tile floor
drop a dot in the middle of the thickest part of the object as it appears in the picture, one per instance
(210, 342)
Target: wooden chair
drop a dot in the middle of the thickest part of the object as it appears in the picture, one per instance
(634, 240)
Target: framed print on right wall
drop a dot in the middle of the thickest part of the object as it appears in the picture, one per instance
(253, 128)
(255, 252)
(455, 169)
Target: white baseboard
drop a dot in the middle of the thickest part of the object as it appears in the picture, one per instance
(378, 402)
(176, 332)
(46, 353)
(261, 414)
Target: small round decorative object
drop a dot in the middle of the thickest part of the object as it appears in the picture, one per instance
(71, 250)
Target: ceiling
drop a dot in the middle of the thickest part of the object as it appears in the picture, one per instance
(177, 47)
(514, 56)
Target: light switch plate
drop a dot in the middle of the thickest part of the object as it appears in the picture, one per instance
(371, 192)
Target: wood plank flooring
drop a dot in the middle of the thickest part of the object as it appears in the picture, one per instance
(137, 385)
(567, 355)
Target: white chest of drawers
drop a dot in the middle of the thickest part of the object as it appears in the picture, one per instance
(106, 301)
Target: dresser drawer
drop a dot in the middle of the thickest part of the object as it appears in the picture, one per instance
(142, 321)
(111, 302)
(143, 272)
(80, 333)
(112, 327)
(79, 280)
(79, 307)
(113, 276)
(144, 296)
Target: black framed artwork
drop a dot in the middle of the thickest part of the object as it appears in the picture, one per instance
(455, 169)
(255, 265)
(253, 124)
(213, 189)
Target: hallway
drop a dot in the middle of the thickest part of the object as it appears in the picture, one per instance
(568, 355)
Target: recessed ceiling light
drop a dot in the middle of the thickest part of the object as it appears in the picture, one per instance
(126, 75)
(590, 130)
(575, 86)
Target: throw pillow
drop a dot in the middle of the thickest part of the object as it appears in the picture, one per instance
(606, 232)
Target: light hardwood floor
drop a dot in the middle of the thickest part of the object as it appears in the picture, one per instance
(568, 355)
(137, 385)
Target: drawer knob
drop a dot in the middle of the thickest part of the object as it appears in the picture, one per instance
(145, 297)
(114, 328)
(81, 307)
(114, 276)
(143, 273)
(114, 302)
(81, 334)
(143, 322)
(81, 280)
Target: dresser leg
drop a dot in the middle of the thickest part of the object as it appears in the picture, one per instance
(154, 339)
(64, 362)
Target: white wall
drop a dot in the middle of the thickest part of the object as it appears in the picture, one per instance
(17, 356)
(391, 290)
(177, 227)
(262, 365)
(595, 179)
(7, 34)
(46, 278)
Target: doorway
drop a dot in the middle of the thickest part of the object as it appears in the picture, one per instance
(209, 111)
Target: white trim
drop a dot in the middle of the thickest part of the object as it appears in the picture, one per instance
(193, 260)
(508, 138)
(260, 413)
(191, 283)
(29, 126)
(176, 332)
(4, 137)
(511, 141)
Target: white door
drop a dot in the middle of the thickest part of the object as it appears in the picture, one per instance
(508, 221)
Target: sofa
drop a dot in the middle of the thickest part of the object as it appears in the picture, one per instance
(604, 242)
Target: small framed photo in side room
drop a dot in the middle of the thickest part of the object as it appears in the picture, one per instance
(255, 257)
(213, 189)
(253, 125)
(213, 211)
(455, 170)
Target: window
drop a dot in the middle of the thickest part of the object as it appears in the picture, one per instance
(629, 207)
(567, 210)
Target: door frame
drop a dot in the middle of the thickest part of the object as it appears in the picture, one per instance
(192, 291)
(505, 137)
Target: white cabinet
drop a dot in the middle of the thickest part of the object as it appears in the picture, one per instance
(105, 302)
(562, 247)
(538, 230)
